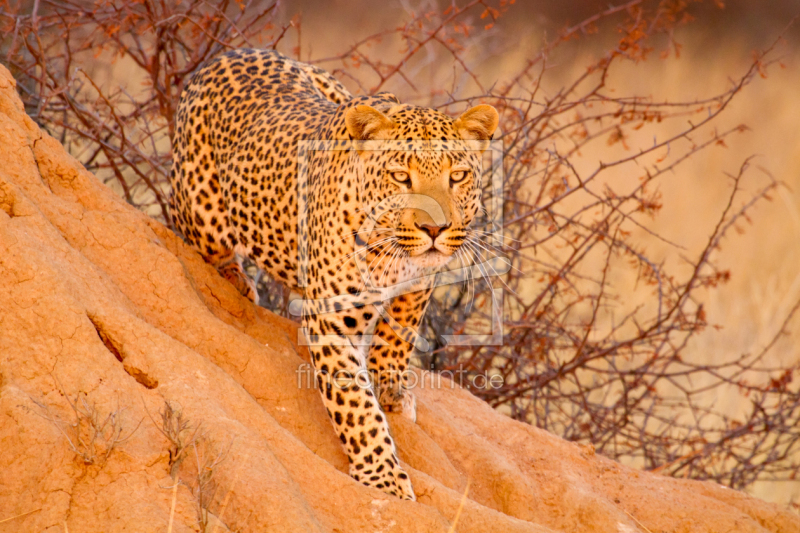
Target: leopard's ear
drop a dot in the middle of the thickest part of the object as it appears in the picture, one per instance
(389, 96)
(366, 123)
(478, 123)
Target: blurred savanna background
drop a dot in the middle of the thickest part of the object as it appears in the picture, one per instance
(651, 200)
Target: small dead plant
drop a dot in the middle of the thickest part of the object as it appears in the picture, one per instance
(89, 434)
(208, 456)
(179, 432)
(184, 438)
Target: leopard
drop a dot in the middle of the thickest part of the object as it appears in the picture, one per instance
(358, 232)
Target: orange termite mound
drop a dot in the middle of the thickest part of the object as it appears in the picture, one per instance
(106, 317)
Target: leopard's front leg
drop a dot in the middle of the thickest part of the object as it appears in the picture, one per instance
(388, 358)
(344, 382)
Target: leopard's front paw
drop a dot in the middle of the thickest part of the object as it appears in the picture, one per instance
(408, 404)
(404, 489)
(399, 401)
(239, 279)
(389, 477)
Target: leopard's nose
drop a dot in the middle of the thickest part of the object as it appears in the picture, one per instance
(432, 230)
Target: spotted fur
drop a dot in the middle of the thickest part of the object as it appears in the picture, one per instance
(235, 194)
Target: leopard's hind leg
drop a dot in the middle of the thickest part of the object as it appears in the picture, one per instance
(229, 266)
(198, 208)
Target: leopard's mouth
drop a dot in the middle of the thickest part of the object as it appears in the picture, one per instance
(430, 258)
(433, 247)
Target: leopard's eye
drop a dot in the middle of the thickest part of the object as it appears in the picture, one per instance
(458, 176)
(401, 177)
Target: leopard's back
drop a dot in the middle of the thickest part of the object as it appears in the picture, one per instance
(237, 128)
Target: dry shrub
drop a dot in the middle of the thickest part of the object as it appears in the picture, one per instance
(90, 435)
(596, 327)
(186, 439)
(60, 51)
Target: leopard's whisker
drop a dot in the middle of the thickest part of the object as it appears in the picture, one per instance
(488, 264)
(366, 249)
(363, 283)
(403, 254)
(370, 270)
(494, 251)
(491, 234)
(498, 276)
(352, 233)
(460, 257)
(387, 262)
(485, 275)
(466, 262)
(395, 257)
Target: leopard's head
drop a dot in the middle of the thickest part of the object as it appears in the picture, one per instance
(423, 186)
